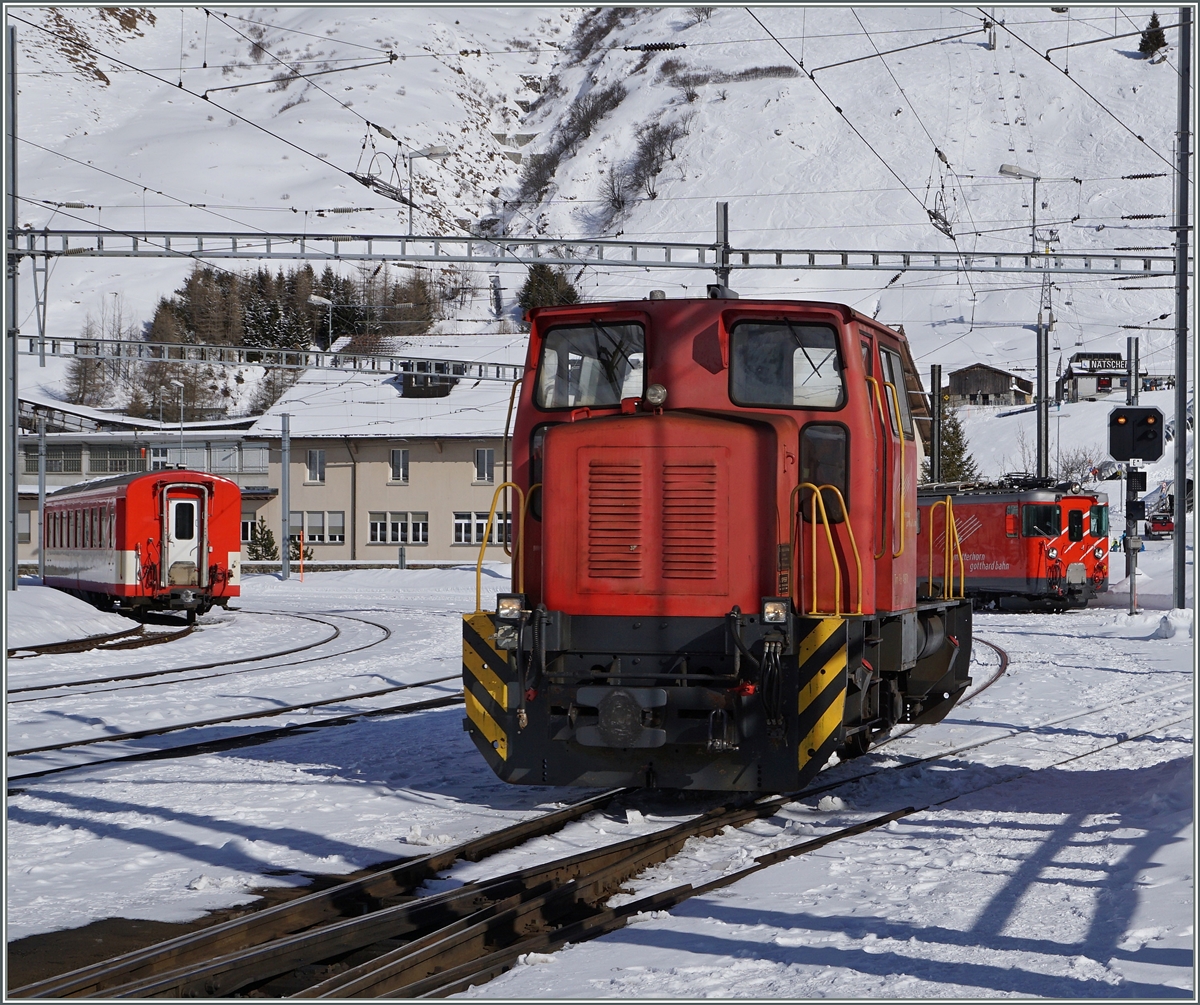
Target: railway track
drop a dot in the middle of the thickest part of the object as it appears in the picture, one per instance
(162, 672)
(131, 638)
(369, 939)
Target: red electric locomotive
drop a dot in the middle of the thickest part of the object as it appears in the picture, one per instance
(715, 569)
(162, 540)
(1020, 543)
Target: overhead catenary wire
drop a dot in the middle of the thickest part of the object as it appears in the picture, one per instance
(1107, 111)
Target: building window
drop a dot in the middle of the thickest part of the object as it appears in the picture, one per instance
(399, 466)
(248, 522)
(316, 467)
(23, 522)
(418, 528)
(67, 460)
(469, 528)
(114, 460)
(337, 526)
(316, 527)
(224, 457)
(462, 528)
(377, 528)
(295, 525)
(485, 465)
(254, 457)
(399, 527)
(158, 459)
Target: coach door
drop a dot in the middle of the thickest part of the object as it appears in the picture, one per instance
(183, 536)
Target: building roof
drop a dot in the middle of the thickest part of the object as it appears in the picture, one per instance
(366, 404)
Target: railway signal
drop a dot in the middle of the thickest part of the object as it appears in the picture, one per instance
(1135, 434)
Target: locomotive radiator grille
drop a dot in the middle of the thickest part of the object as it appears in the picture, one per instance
(614, 520)
(689, 521)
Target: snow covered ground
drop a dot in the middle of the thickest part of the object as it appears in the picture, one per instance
(39, 615)
(1026, 875)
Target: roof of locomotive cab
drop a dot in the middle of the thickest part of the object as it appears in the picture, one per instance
(847, 312)
(123, 481)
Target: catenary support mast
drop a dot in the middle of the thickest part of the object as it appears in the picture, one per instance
(1179, 538)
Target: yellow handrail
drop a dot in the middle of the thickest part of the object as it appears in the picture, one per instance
(837, 577)
(953, 545)
(962, 565)
(853, 543)
(507, 422)
(900, 428)
(487, 533)
(883, 429)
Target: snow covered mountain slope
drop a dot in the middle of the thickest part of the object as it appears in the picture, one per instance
(858, 156)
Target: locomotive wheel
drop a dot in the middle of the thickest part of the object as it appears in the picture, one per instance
(855, 746)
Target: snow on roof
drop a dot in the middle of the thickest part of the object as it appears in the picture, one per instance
(365, 404)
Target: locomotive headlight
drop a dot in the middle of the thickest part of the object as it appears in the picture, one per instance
(1099, 552)
(1052, 552)
(509, 606)
(656, 395)
(775, 610)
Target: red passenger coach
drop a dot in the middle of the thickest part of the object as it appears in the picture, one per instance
(716, 561)
(162, 540)
(1021, 543)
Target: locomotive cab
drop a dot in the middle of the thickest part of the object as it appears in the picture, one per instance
(714, 575)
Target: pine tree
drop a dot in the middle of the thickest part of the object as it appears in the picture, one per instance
(957, 463)
(294, 551)
(262, 546)
(546, 287)
(1153, 38)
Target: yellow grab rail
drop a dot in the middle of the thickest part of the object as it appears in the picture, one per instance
(798, 595)
(952, 546)
(507, 423)
(518, 571)
(900, 429)
(883, 429)
(962, 565)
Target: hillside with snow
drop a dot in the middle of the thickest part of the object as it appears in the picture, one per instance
(187, 120)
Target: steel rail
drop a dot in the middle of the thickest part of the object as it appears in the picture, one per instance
(444, 982)
(210, 666)
(242, 739)
(139, 734)
(90, 642)
(346, 899)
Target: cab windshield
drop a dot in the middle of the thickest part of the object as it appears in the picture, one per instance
(785, 363)
(594, 365)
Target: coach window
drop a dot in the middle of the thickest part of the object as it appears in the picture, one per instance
(592, 366)
(1099, 521)
(185, 521)
(1041, 520)
(824, 461)
(785, 363)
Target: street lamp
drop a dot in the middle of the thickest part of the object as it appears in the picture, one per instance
(1012, 171)
(433, 153)
(179, 384)
(317, 301)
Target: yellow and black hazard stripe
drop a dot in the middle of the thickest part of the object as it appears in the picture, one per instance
(821, 704)
(487, 687)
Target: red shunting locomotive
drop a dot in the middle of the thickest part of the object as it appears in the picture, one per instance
(166, 539)
(715, 566)
(1020, 543)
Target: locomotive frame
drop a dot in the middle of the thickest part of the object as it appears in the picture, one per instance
(715, 564)
(160, 540)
